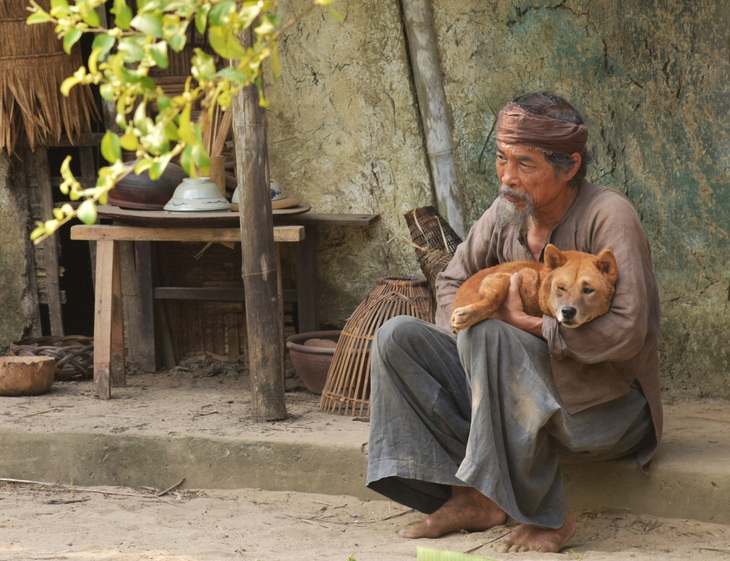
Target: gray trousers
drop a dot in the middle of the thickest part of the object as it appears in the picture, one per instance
(481, 410)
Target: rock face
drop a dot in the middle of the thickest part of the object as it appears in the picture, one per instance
(651, 79)
(17, 299)
(26, 375)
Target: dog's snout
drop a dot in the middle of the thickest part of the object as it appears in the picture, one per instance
(568, 312)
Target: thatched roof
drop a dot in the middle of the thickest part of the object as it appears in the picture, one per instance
(32, 67)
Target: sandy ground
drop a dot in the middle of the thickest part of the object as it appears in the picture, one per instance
(48, 522)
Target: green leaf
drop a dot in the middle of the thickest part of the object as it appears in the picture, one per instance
(275, 62)
(178, 41)
(431, 554)
(186, 160)
(203, 66)
(38, 17)
(102, 43)
(110, 147)
(233, 74)
(201, 19)
(132, 51)
(149, 24)
(91, 18)
(164, 103)
(158, 52)
(107, 91)
(225, 43)
(143, 165)
(200, 156)
(220, 13)
(186, 130)
(69, 83)
(70, 39)
(122, 14)
(129, 141)
(266, 27)
(87, 212)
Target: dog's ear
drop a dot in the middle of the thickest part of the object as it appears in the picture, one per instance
(606, 263)
(554, 258)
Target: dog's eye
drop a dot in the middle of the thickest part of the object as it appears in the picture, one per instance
(561, 288)
(588, 290)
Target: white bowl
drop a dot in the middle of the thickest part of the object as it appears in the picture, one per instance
(197, 194)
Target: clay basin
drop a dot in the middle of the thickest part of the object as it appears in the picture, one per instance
(26, 375)
(311, 355)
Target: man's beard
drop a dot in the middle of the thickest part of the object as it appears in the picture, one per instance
(508, 213)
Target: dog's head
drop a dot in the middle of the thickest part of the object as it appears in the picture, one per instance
(577, 287)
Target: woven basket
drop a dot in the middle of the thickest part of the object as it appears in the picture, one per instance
(434, 239)
(74, 354)
(347, 389)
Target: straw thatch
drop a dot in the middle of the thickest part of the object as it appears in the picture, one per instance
(32, 67)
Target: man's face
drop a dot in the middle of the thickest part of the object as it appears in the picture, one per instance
(528, 180)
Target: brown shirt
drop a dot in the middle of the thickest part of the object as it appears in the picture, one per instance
(600, 360)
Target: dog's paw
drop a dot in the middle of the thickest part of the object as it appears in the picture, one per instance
(463, 317)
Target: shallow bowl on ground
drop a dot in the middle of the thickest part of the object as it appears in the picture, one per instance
(26, 375)
(311, 355)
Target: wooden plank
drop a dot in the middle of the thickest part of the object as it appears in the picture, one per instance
(103, 318)
(143, 264)
(50, 245)
(199, 293)
(312, 219)
(308, 282)
(283, 234)
(117, 369)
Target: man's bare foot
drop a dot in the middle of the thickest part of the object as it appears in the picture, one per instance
(466, 509)
(533, 538)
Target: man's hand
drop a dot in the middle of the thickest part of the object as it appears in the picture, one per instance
(512, 311)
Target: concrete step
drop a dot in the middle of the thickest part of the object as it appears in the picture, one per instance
(165, 428)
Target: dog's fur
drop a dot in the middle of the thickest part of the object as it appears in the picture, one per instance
(571, 286)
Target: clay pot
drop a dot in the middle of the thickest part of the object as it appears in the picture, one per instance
(139, 192)
(311, 354)
(26, 375)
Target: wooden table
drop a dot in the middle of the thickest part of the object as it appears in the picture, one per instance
(132, 233)
(109, 351)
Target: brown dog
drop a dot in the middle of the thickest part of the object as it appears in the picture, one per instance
(571, 286)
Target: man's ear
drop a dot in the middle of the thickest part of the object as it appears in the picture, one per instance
(577, 159)
(606, 263)
(554, 258)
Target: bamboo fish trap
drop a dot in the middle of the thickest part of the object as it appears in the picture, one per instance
(434, 239)
(33, 65)
(347, 389)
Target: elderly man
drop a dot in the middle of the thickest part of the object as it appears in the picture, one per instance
(471, 429)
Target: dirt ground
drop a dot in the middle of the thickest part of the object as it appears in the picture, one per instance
(48, 522)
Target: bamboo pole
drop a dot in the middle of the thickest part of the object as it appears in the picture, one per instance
(435, 115)
(259, 268)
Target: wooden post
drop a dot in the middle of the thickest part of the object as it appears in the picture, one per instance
(435, 114)
(51, 245)
(259, 268)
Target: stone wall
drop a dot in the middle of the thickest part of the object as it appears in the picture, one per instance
(650, 77)
(17, 297)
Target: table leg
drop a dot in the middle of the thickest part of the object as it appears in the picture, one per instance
(108, 320)
(307, 282)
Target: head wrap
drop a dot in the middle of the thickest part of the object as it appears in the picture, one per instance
(517, 126)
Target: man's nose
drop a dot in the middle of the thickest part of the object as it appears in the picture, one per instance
(509, 175)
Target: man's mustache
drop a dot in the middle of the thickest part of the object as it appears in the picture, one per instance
(504, 190)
